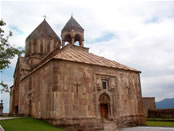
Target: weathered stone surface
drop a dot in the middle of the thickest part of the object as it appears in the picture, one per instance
(148, 104)
(67, 90)
(110, 126)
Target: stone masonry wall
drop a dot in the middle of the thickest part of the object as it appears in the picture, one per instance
(148, 104)
(77, 91)
(36, 88)
(73, 87)
(67, 93)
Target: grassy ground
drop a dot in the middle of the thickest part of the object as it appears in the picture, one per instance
(160, 123)
(27, 124)
(30, 124)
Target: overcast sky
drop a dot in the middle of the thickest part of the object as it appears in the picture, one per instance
(136, 34)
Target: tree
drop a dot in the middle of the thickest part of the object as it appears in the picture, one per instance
(7, 52)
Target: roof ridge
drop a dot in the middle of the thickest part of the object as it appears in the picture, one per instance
(71, 54)
(116, 62)
(72, 24)
(43, 30)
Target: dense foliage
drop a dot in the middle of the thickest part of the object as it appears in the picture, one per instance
(7, 52)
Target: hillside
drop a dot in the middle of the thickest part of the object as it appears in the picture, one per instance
(165, 104)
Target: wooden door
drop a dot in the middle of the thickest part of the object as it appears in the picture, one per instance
(104, 111)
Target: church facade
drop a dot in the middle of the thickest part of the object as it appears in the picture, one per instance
(70, 87)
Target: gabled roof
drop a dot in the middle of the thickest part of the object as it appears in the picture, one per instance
(22, 64)
(72, 24)
(78, 54)
(44, 30)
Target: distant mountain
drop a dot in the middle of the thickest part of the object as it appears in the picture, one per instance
(165, 104)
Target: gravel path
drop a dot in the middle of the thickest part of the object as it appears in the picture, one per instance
(6, 118)
(147, 129)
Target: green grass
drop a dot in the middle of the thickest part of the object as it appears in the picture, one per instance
(160, 123)
(27, 124)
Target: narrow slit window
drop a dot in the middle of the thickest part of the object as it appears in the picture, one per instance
(104, 84)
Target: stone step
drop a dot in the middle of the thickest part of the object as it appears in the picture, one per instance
(110, 126)
(1, 129)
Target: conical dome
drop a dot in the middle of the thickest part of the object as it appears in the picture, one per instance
(41, 41)
(72, 24)
(44, 30)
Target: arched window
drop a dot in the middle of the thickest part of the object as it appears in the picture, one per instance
(68, 38)
(77, 40)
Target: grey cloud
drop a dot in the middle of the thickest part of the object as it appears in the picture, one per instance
(145, 46)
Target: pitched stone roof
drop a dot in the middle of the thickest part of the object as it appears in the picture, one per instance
(81, 55)
(72, 24)
(44, 30)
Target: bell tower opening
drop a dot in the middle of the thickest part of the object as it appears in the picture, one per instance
(78, 40)
(68, 39)
(72, 33)
(77, 43)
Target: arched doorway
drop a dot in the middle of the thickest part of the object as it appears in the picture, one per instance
(104, 106)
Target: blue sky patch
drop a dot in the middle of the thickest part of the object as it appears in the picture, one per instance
(105, 37)
(16, 29)
(154, 19)
(6, 76)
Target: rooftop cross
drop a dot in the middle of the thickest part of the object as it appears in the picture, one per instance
(45, 17)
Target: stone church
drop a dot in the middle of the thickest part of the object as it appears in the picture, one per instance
(60, 81)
